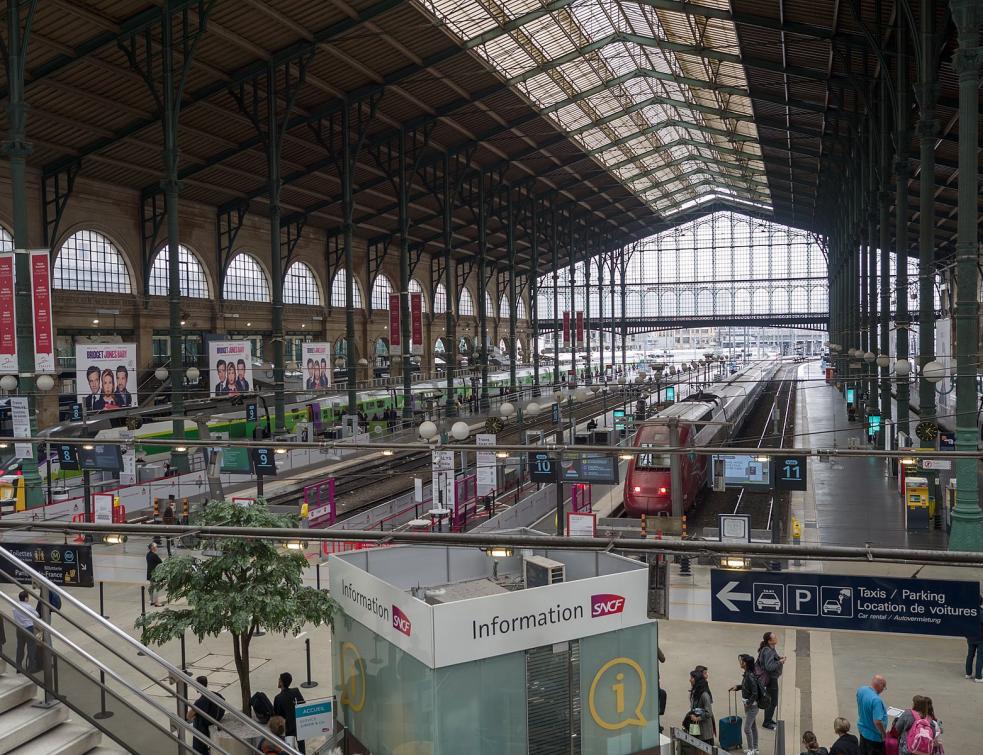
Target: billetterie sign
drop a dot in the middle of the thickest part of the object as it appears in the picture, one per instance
(466, 630)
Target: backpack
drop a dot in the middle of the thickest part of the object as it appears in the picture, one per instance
(920, 739)
(763, 676)
(261, 706)
(764, 699)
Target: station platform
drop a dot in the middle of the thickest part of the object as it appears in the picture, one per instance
(849, 501)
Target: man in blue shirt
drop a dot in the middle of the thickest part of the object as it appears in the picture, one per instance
(872, 716)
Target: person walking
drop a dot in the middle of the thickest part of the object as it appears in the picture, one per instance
(701, 707)
(847, 743)
(810, 745)
(872, 716)
(921, 709)
(752, 693)
(170, 519)
(768, 668)
(974, 647)
(284, 704)
(278, 728)
(202, 715)
(153, 561)
(24, 617)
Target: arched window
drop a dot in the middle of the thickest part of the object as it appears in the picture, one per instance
(466, 305)
(245, 280)
(439, 299)
(194, 284)
(504, 311)
(520, 309)
(416, 288)
(300, 286)
(489, 306)
(338, 298)
(6, 240)
(88, 261)
(380, 292)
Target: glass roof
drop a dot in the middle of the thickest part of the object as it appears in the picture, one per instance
(656, 96)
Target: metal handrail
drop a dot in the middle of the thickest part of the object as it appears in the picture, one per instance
(147, 699)
(147, 653)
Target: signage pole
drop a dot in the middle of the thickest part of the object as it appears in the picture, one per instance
(87, 495)
(559, 495)
(259, 484)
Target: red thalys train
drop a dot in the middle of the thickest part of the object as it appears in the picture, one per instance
(647, 485)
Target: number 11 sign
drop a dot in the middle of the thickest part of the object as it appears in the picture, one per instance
(789, 472)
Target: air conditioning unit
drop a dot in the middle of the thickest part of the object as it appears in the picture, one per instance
(539, 572)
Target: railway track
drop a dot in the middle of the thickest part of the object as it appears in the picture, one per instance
(770, 425)
(377, 482)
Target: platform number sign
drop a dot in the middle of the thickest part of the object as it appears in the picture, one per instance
(76, 412)
(251, 414)
(542, 467)
(789, 472)
(68, 457)
(264, 462)
(670, 393)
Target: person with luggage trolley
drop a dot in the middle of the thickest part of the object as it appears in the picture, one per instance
(755, 697)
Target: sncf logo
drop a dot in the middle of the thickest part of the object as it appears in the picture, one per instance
(606, 604)
(401, 622)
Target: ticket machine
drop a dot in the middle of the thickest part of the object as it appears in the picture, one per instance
(916, 498)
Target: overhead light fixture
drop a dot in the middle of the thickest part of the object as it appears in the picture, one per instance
(180, 449)
(626, 457)
(95, 322)
(499, 551)
(4, 445)
(762, 459)
(502, 454)
(387, 452)
(294, 545)
(114, 539)
(909, 461)
(88, 447)
(734, 562)
(280, 451)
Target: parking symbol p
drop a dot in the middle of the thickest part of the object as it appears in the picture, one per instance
(803, 600)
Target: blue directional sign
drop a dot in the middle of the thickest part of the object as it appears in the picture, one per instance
(840, 601)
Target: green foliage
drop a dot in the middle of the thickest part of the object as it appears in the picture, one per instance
(237, 584)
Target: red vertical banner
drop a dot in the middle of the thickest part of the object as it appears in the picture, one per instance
(566, 328)
(44, 331)
(8, 315)
(580, 327)
(395, 330)
(416, 323)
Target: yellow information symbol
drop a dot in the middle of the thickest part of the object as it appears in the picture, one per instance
(352, 677)
(608, 691)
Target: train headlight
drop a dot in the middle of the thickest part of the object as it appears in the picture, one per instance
(663, 491)
(638, 489)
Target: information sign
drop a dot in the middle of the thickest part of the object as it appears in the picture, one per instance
(8, 315)
(945, 608)
(851, 396)
(251, 414)
(67, 565)
(542, 467)
(670, 393)
(485, 463)
(236, 461)
(264, 462)
(315, 719)
(734, 528)
(68, 457)
(586, 467)
(581, 524)
(103, 506)
(76, 412)
(101, 457)
(20, 420)
(555, 414)
(743, 469)
(789, 472)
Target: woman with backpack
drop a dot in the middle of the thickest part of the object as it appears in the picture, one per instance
(917, 730)
(768, 668)
(755, 697)
(699, 722)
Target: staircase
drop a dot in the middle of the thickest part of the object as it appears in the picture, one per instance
(29, 730)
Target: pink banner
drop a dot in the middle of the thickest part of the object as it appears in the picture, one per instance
(8, 315)
(416, 323)
(566, 328)
(395, 332)
(44, 332)
(580, 327)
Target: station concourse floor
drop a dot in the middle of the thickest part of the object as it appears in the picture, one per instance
(849, 501)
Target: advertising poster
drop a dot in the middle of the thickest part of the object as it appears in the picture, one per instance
(566, 328)
(20, 420)
(395, 333)
(416, 323)
(580, 327)
(44, 331)
(316, 361)
(486, 463)
(8, 315)
(230, 367)
(106, 375)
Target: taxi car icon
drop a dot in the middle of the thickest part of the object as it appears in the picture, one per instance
(768, 601)
(832, 606)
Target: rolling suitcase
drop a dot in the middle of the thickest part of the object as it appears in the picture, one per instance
(731, 727)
